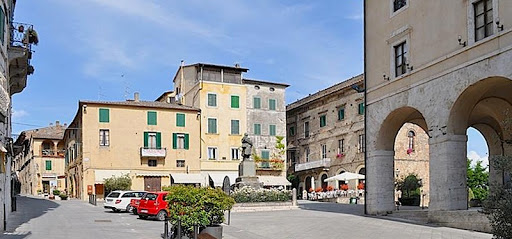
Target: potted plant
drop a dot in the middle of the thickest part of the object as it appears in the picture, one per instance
(360, 186)
(202, 207)
(330, 188)
(63, 196)
(344, 187)
(39, 192)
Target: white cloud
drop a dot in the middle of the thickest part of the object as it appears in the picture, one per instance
(355, 17)
(475, 157)
(17, 114)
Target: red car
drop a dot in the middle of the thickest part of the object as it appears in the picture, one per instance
(134, 204)
(153, 204)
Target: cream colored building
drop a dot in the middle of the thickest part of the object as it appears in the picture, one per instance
(42, 167)
(222, 95)
(444, 66)
(155, 143)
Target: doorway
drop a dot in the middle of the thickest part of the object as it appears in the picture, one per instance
(46, 186)
(100, 190)
(152, 184)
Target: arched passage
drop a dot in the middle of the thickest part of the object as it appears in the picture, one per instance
(379, 168)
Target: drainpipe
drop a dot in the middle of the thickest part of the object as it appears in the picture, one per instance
(365, 108)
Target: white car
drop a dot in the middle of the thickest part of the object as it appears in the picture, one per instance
(120, 200)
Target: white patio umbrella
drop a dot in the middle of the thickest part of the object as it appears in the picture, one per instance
(345, 177)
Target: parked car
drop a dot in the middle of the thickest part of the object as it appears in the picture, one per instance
(120, 200)
(153, 204)
(134, 203)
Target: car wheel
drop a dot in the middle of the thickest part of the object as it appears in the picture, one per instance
(143, 217)
(129, 208)
(134, 211)
(161, 215)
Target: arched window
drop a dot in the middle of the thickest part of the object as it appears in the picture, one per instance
(411, 135)
(324, 184)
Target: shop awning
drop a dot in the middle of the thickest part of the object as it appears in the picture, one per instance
(151, 174)
(218, 177)
(101, 175)
(274, 181)
(187, 178)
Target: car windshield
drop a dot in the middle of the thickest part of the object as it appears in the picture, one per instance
(150, 196)
(113, 195)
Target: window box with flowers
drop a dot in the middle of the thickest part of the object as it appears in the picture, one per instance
(340, 155)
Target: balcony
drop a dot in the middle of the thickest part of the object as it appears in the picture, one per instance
(323, 163)
(19, 55)
(153, 152)
(53, 153)
(270, 164)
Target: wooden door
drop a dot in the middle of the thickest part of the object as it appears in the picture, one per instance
(152, 184)
(100, 190)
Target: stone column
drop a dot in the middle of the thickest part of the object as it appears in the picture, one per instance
(448, 169)
(380, 182)
(313, 182)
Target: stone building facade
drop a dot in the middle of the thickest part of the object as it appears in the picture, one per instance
(41, 167)
(444, 66)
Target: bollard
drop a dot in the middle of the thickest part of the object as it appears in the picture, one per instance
(166, 229)
(196, 231)
(179, 228)
(294, 197)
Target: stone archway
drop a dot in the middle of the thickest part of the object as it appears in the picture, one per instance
(380, 160)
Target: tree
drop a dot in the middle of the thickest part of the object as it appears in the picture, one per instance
(478, 180)
(409, 185)
(123, 182)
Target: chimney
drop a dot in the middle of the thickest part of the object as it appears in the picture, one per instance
(65, 125)
(182, 63)
(237, 65)
(136, 96)
(57, 123)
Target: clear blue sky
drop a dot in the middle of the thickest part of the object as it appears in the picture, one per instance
(107, 49)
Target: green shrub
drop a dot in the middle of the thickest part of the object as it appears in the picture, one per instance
(63, 196)
(248, 194)
(123, 182)
(56, 192)
(197, 206)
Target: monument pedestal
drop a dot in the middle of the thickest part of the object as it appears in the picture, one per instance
(247, 175)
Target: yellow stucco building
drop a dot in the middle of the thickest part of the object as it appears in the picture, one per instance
(155, 143)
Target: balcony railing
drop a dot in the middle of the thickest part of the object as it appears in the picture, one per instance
(53, 153)
(153, 152)
(270, 164)
(323, 163)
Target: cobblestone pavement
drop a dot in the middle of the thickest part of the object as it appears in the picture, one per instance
(41, 218)
(329, 220)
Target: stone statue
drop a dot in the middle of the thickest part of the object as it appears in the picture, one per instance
(246, 147)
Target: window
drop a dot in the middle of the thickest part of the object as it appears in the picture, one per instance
(104, 116)
(256, 103)
(212, 153)
(48, 165)
(152, 163)
(483, 19)
(235, 101)
(104, 137)
(323, 120)
(292, 131)
(341, 145)
(151, 118)
(272, 104)
(411, 135)
(235, 127)
(180, 141)
(2, 25)
(235, 154)
(361, 145)
(341, 113)
(324, 151)
(361, 108)
(180, 120)
(306, 129)
(212, 126)
(180, 163)
(306, 152)
(272, 130)
(400, 59)
(257, 129)
(212, 100)
(265, 155)
(398, 4)
(152, 140)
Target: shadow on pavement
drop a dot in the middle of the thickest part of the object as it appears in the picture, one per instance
(28, 209)
(352, 209)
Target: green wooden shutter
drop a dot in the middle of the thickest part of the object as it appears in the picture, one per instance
(174, 140)
(257, 103)
(257, 129)
(212, 126)
(48, 165)
(152, 118)
(212, 100)
(235, 101)
(146, 139)
(361, 108)
(235, 127)
(265, 154)
(104, 115)
(341, 113)
(186, 141)
(180, 120)
(158, 140)
(272, 104)
(323, 121)
(272, 130)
